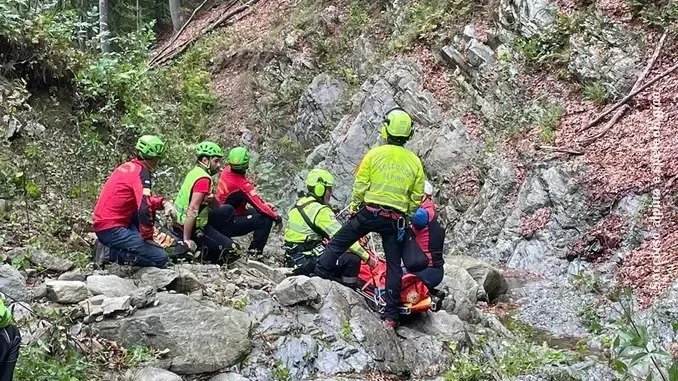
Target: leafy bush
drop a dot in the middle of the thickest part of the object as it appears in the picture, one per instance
(596, 93)
(658, 14)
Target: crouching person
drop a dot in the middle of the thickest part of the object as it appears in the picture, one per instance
(10, 340)
(423, 252)
(312, 220)
(125, 211)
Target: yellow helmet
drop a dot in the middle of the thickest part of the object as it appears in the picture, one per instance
(397, 123)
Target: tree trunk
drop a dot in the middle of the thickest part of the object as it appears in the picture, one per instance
(104, 32)
(82, 32)
(175, 12)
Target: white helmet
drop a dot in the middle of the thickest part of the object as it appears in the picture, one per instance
(428, 188)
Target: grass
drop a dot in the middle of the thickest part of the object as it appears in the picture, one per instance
(596, 93)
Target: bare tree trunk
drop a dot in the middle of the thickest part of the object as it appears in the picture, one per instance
(175, 12)
(104, 32)
(82, 33)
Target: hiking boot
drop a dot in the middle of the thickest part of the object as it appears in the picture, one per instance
(390, 323)
(102, 255)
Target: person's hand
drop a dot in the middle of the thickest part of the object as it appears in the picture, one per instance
(372, 262)
(270, 205)
(192, 247)
(278, 224)
(169, 209)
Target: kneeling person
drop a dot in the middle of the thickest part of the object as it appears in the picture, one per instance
(423, 253)
(309, 222)
(200, 218)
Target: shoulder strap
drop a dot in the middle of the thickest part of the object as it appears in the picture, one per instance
(317, 230)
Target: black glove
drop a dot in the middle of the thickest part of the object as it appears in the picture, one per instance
(278, 224)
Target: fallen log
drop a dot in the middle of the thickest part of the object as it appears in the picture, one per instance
(183, 46)
(631, 95)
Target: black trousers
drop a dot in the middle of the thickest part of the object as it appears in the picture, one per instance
(253, 221)
(215, 235)
(10, 340)
(361, 224)
(346, 271)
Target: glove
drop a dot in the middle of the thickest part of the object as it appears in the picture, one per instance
(169, 209)
(192, 247)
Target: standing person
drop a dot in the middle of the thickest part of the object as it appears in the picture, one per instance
(10, 340)
(309, 222)
(388, 188)
(124, 214)
(200, 218)
(237, 190)
(423, 252)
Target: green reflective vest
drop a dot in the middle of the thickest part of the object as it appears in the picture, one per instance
(183, 199)
(323, 218)
(5, 315)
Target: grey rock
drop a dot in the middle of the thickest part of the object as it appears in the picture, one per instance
(457, 278)
(229, 377)
(142, 296)
(110, 285)
(274, 274)
(66, 292)
(380, 343)
(77, 275)
(112, 305)
(205, 347)
(186, 283)
(12, 283)
(488, 277)
(444, 325)
(155, 277)
(93, 306)
(49, 262)
(457, 303)
(294, 290)
(424, 354)
(40, 291)
(153, 374)
(526, 17)
(297, 354)
(320, 108)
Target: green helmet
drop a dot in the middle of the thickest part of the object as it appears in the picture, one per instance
(239, 158)
(208, 149)
(150, 147)
(318, 180)
(398, 123)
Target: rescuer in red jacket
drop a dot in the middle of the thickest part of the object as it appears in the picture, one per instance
(237, 190)
(423, 253)
(124, 214)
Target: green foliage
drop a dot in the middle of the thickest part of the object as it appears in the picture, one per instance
(587, 282)
(658, 14)
(550, 48)
(346, 333)
(136, 355)
(239, 304)
(280, 372)
(548, 122)
(596, 93)
(636, 353)
(467, 368)
(433, 21)
(588, 315)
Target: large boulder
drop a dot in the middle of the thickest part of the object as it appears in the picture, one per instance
(13, 284)
(489, 278)
(457, 278)
(155, 277)
(229, 377)
(49, 262)
(200, 336)
(526, 17)
(110, 285)
(66, 291)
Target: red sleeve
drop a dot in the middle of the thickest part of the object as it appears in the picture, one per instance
(203, 185)
(256, 201)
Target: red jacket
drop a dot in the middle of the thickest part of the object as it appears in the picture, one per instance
(237, 190)
(126, 195)
(432, 237)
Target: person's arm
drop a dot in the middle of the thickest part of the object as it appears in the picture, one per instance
(5, 315)
(256, 201)
(192, 214)
(147, 203)
(327, 221)
(204, 185)
(362, 182)
(418, 189)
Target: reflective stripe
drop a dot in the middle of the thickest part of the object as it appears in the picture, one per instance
(372, 198)
(348, 279)
(182, 201)
(390, 189)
